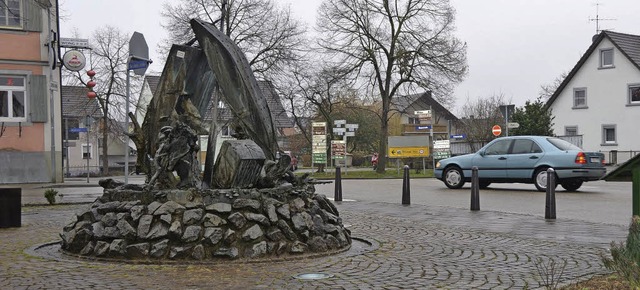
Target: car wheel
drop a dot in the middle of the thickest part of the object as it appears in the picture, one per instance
(571, 185)
(540, 179)
(453, 177)
(484, 184)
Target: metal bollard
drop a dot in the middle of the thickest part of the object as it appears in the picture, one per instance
(338, 191)
(550, 204)
(10, 207)
(406, 189)
(475, 189)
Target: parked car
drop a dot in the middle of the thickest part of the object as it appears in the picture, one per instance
(524, 159)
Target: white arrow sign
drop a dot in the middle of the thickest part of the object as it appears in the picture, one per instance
(513, 125)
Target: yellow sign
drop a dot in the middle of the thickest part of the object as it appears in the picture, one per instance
(400, 152)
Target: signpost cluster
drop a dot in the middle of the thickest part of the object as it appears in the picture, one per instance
(319, 143)
(339, 147)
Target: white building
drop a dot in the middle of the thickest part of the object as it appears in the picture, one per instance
(600, 98)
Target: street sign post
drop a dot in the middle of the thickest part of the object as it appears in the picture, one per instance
(138, 62)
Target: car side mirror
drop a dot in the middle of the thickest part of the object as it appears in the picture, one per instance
(481, 153)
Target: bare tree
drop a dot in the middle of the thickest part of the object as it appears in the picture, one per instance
(478, 117)
(547, 90)
(394, 47)
(109, 57)
(314, 91)
(267, 34)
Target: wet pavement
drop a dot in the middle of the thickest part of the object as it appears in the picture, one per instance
(413, 247)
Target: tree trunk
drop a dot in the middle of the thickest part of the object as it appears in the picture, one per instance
(384, 133)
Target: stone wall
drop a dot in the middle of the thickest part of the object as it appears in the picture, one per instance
(207, 224)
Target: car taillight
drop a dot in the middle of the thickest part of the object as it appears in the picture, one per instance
(581, 158)
(603, 162)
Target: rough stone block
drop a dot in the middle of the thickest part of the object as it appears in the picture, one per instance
(191, 234)
(192, 216)
(159, 249)
(219, 207)
(237, 220)
(212, 220)
(252, 233)
(239, 164)
(138, 250)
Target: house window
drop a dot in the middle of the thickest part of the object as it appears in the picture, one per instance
(414, 120)
(606, 58)
(571, 130)
(634, 95)
(579, 98)
(86, 151)
(10, 13)
(609, 135)
(12, 99)
(226, 131)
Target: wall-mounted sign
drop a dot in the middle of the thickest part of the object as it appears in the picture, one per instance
(74, 60)
(74, 42)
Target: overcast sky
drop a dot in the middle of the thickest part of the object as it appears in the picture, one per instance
(514, 46)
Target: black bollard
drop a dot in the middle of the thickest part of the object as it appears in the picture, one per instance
(10, 207)
(406, 189)
(475, 189)
(338, 192)
(550, 204)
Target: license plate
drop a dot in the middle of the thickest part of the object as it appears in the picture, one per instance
(595, 160)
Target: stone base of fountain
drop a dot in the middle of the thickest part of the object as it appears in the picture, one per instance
(208, 224)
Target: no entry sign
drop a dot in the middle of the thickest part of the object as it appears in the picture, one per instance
(496, 130)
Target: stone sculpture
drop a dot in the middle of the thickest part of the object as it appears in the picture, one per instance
(249, 203)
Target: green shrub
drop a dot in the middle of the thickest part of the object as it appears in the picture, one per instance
(625, 257)
(50, 195)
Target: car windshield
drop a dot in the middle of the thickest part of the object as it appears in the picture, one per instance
(562, 144)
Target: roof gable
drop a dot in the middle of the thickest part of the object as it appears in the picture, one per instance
(278, 113)
(627, 44)
(410, 103)
(75, 103)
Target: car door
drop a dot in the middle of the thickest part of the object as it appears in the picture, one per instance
(492, 160)
(523, 158)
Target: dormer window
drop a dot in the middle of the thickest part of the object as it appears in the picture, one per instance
(606, 58)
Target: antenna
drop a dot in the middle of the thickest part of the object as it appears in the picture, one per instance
(598, 19)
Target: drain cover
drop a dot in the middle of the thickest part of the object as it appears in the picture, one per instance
(313, 276)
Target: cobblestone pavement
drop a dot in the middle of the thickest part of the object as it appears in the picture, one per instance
(417, 246)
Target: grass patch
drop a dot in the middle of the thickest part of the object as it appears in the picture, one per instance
(369, 174)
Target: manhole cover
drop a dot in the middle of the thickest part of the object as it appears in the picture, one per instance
(313, 276)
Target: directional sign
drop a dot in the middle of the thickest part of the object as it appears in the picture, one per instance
(441, 144)
(138, 64)
(496, 130)
(513, 125)
(459, 136)
(138, 50)
(77, 130)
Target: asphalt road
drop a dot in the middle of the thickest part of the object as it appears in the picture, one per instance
(599, 201)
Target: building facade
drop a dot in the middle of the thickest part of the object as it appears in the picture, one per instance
(600, 98)
(30, 107)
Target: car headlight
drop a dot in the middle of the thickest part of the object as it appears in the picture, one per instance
(438, 164)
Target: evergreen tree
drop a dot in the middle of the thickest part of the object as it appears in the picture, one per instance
(534, 119)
